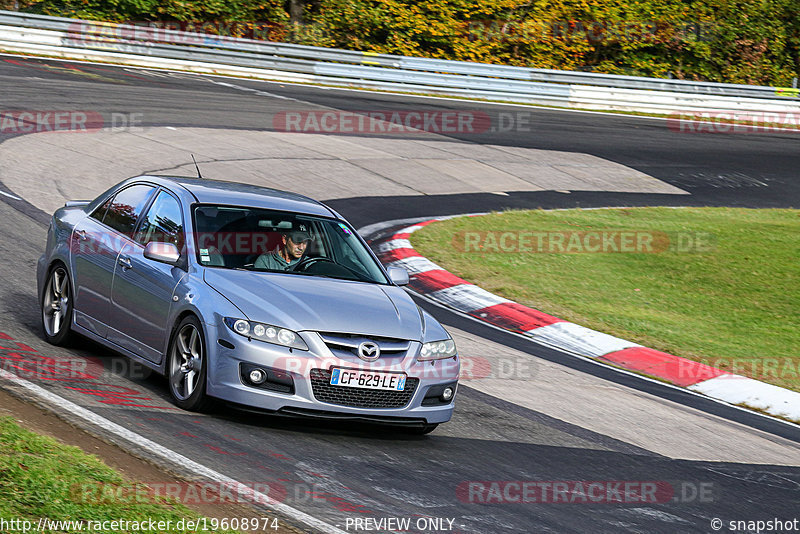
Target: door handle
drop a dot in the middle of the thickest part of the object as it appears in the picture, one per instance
(81, 234)
(125, 262)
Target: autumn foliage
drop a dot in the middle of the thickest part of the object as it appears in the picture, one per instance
(736, 41)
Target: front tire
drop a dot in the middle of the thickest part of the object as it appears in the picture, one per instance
(56, 305)
(187, 366)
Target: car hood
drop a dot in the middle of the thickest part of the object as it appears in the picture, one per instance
(322, 304)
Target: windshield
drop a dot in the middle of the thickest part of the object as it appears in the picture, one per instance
(237, 237)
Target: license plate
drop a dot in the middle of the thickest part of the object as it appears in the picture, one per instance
(354, 378)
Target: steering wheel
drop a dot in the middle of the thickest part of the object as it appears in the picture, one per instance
(305, 263)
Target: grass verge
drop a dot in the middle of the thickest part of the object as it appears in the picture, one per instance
(717, 285)
(42, 478)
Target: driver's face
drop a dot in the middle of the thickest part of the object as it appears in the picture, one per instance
(294, 250)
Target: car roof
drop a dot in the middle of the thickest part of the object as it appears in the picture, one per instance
(237, 194)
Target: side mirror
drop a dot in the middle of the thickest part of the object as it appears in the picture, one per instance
(398, 275)
(162, 252)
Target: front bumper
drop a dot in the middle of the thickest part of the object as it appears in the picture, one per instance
(311, 394)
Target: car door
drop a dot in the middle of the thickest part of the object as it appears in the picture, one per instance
(95, 244)
(142, 289)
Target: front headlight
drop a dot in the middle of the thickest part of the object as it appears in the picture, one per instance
(437, 350)
(266, 332)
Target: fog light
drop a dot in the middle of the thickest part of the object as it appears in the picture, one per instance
(257, 376)
(447, 394)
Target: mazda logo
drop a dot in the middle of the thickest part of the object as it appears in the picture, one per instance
(369, 351)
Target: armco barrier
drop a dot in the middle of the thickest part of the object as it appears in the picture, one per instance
(164, 48)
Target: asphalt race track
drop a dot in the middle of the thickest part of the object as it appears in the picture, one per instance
(550, 419)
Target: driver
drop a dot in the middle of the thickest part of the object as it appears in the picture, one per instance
(294, 243)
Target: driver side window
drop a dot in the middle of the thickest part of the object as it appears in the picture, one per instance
(126, 207)
(163, 222)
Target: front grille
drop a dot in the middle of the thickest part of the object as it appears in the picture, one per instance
(359, 397)
(346, 345)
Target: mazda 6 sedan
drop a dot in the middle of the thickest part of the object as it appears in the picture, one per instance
(260, 298)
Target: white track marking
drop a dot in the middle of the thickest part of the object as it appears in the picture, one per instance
(467, 297)
(737, 389)
(350, 89)
(250, 90)
(9, 195)
(179, 461)
(577, 338)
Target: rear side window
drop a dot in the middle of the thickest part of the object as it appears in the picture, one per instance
(126, 208)
(163, 222)
(100, 212)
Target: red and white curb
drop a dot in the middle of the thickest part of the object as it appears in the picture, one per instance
(435, 283)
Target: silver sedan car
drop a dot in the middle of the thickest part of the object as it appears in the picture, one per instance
(258, 297)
